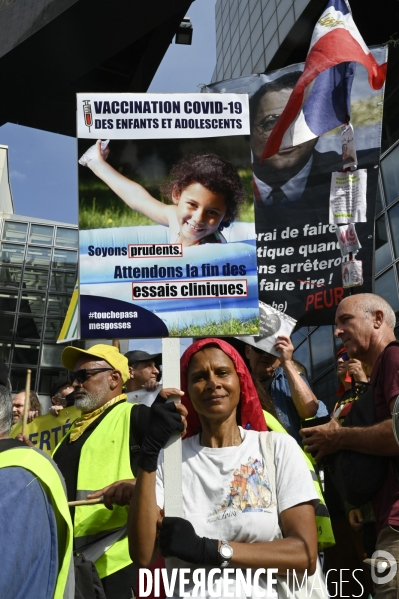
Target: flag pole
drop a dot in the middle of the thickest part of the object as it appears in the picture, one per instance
(27, 401)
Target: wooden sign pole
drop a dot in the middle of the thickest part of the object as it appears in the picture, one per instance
(173, 455)
(27, 402)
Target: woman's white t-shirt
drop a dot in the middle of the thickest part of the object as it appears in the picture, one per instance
(226, 492)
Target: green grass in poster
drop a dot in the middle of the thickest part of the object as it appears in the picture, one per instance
(230, 326)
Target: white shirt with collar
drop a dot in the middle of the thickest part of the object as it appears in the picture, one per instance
(293, 189)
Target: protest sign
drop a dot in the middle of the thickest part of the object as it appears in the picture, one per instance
(175, 261)
(273, 322)
(348, 239)
(349, 157)
(352, 273)
(348, 203)
(299, 258)
(47, 431)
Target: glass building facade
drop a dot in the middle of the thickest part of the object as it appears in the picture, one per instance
(38, 271)
(253, 36)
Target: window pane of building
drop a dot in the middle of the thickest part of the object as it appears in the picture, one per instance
(65, 259)
(337, 343)
(12, 253)
(63, 282)
(18, 378)
(26, 354)
(393, 215)
(47, 378)
(51, 355)
(15, 231)
(390, 175)
(8, 302)
(10, 276)
(5, 349)
(303, 356)
(28, 327)
(385, 286)
(32, 303)
(52, 329)
(58, 306)
(67, 237)
(35, 279)
(322, 350)
(7, 325)
(36, 256)
(325, 389)
(298, 336)
(379, 203)
(41, 234)
(383, 255)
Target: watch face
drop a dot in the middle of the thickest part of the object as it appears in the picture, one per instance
(226, 551)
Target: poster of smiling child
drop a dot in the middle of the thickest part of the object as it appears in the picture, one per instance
(166, 216)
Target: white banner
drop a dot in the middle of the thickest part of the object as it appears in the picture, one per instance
(161, 116)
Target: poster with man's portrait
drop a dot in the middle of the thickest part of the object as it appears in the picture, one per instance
(299, 257)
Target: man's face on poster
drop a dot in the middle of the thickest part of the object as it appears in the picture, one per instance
(269, 109)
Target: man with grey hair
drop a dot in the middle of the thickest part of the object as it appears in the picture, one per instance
(365, 324)
(30, 480)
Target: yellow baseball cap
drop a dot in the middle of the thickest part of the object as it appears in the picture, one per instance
(109, 353)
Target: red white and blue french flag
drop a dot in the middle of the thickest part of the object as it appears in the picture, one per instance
(320, 101)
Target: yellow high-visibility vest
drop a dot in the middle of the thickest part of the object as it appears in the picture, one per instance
(104, 459)
(325, 535)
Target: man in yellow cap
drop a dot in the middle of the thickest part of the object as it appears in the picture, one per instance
(101, 448)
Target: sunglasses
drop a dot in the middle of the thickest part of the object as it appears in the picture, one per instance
(344, 356)
(82, 375)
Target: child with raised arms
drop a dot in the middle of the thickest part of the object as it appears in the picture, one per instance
(205, 189)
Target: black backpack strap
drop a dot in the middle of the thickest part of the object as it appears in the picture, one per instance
(6, 444)
(136, 434)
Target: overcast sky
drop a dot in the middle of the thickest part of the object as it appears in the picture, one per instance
(43, 166)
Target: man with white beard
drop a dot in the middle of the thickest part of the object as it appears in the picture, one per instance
(101, 448)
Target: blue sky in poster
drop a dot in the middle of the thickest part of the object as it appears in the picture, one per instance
(43, 165)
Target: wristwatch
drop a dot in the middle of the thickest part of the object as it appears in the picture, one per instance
(226, 553)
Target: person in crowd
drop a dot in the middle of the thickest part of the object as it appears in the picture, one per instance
(143, 385)
(289, 391)
(365, 324)
(205, 190)
(61, 394)
(230, 515)
(101, 448)
(350, 548)
(35, 525)
(18, 406)
(351, 377)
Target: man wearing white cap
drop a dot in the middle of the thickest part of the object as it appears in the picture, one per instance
(292, 397)
(101, 448)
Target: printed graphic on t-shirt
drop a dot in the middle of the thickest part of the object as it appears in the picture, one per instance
(249, 492)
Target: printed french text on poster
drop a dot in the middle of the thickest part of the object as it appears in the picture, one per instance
(166, 216)
(299, 256)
